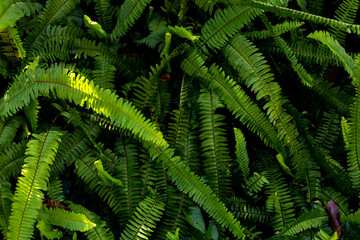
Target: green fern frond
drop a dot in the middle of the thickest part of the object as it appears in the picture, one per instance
(55, 189)
(187, 182)
(12, 157)
(144, 219)
(32, 113)
(345, 129)
(354, 131)
(336, 48)
(65, 219)
(316, 7)
(73, 146)
(225, 23)
(100, 230)
(85, 169)
(341, 201)
(161, 102)
(129, 11)
(346, 13)
(5, 205)
(206, 5)
(11, 11)
(235, 99)
(54, 11)
(255, 183)
(314, 218)
(95, 30)
(286, 12)
(46, 230)
(8, 128)
(14, 34)
(280, 200)
(280, 28)
(241, 209)
(241, 153)
(104, 13)
(28, 195)
(328, 130)
(104, 73)
(81, 92)
(213, 141)
(128, 173)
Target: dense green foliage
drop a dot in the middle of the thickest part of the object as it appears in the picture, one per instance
(179, 119)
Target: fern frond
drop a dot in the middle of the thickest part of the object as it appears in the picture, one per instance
(241, 209)
(12, 157)
(144, 219)
(354, 130)
(346, 13)
(241, 153)
(316, 7)
(100, 230)
(11, 11)
(128, 173)
(104, 13)
(128, 13)
(255, 183)
(55, 189)
(54, 11)
(85, 169)
(280, 200)
(286, 12)
(314, 218)
(336, 48)
(187, 182)
(206, 5)
(225, 23)
(235, 99)
(32, 112)
(14, 33)
(46, 230)
(104, 73)
(81, 92)
(328, 130)
(8, 128)
(341, 201)
(280, 28)
(72, 147)
(213, 137)
(28, 195)
(65, 219)
(5, 205)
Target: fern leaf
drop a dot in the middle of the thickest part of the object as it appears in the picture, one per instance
(341, 201)
(280, 28)
(315, 218)
(28, 195)
(55, 190)
(81, 92)
(85, 169)
(216, 152)
(129, 11)
(280, 200)
(12, 157)
(103, 10)
(9, 128)
(104, 73)
(65, 219)
(187, 182)
(53, 12)
(31, 113)
(225, 23)
(354, 131)
(241, 153)
(11, 11)
(235, 99)
(13, 32)
(144, 219)
(328, 131)
(346, 13)
(129, 174)
(336, 48)
(255, 183)
(47, 230)
(286, 12)
(5, 205)
(241, 209)
(100, 230)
